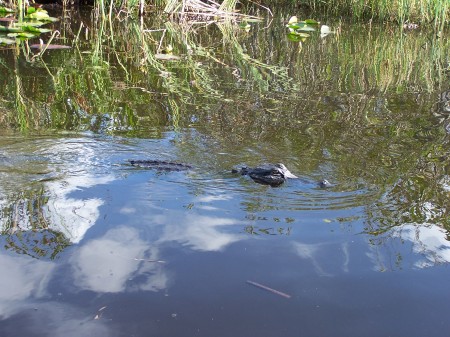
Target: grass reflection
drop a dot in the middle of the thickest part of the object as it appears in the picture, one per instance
(224, 63)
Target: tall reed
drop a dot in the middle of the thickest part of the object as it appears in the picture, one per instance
(420, 11)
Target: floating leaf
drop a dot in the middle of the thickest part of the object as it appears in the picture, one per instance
(51, 19)
(4, 40)
(25, 35)
(6, 10)
(30, 24)
(312, 22)
(302, 26)
(305, 35)
(10, 29)
(308, 29)
(35, 30)
(40, 14)
(31, 10)
(295, 38)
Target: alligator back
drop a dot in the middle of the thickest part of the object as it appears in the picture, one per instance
(161, 165)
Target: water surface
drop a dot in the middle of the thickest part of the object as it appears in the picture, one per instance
(92, 246)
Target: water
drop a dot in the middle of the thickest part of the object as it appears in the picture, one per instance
(92, 246)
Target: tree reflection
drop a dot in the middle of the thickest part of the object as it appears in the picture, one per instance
(415, 210)
(25, 226)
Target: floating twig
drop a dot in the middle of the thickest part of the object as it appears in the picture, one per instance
(100, 312)
(149, 260)
(276, 292)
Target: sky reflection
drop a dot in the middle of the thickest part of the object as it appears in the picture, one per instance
(113, 262)
(429, 243)
(199, 232)
(55, 319)
(23, 279)
(327, 259)
(72, 216)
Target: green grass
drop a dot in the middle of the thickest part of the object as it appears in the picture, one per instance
(420, 11)
(436, 12)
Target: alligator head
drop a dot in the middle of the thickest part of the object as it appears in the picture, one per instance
(268, 174)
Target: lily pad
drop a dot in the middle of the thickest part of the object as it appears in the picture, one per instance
(31, 10)
(6, 10)
(312, 22)
(25, 35)
(39, 14)
(35, 30)
(297, 37)
(302, 26)
(301, 34)
(30, 24)
(10, 29)
(4, 40)
(24, 30)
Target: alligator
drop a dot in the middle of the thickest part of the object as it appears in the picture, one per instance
(324, 183)
(267, 174)
(161, 165)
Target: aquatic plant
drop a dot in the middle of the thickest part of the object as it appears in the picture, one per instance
(24, 26)
(299, 30)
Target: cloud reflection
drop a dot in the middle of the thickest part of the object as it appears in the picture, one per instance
(429, 243)
(323, 256)
(22, 279)
(73, 217)
(309, 252)
(108, 264)
(199, 232)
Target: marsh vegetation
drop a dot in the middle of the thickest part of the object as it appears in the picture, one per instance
(125, 251)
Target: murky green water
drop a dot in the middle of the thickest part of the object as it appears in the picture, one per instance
(92, 246)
